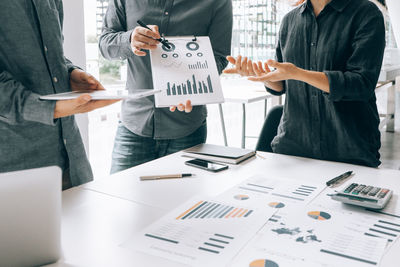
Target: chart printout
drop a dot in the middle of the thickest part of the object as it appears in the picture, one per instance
(186, 71)
(201, 232)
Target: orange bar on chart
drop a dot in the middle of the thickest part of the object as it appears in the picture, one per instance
(243, 213)
(234, 215)
(230, 213)
(189, 210)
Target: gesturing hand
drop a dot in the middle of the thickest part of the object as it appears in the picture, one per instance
(142, 38)
(283, 71)
(242, 66)
(82, 81)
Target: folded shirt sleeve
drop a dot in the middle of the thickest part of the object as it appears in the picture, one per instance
(358, 81)
(114, 42)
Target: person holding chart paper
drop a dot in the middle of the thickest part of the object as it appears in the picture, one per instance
(146, 132)
(35, 133)
(329, 56)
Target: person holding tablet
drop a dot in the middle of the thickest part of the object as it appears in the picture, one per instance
(329, 57)
(35, 133)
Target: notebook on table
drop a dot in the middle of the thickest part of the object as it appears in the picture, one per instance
(217, 153)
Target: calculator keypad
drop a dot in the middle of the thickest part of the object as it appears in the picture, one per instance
(364, 195)
(370, 191)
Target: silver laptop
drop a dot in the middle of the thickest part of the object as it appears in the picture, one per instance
(30, 217)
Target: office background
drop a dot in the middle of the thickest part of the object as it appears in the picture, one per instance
(256, 24)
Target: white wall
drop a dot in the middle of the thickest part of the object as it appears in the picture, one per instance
(74, 48)
(394, 13)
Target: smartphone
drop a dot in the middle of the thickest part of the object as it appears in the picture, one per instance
(206, 165)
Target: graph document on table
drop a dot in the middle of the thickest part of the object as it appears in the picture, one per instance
(201, 232)
(186, 71)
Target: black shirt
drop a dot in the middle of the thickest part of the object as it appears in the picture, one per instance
(346, 42)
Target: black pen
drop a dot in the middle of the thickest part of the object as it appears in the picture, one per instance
(339, 178)
(161, 40)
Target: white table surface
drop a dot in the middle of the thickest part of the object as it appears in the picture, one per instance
(99, 216)
(241, 90)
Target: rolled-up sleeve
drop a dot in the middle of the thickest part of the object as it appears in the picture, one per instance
(358, 81)
(17, 104)
(220, 32)
(115, 38)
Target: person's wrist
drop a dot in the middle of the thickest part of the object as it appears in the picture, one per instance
(298, 74)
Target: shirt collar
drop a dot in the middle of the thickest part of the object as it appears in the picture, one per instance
(338, 5)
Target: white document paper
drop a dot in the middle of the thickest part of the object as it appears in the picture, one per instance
(273, 192)
(311, 236)
(201, 232)
(186, 71)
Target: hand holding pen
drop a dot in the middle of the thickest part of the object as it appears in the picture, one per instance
(145, 37)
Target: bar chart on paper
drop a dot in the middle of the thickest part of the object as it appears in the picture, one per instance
(201, 231)
(211, 210)
(191, 87)
(186, 71)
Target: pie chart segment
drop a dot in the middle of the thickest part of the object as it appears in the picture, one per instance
(263, 263)
(319, 215)
(241, 197)
(277, 205)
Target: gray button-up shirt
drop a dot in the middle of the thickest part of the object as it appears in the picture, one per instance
(346, 42)
(211, 18)
(32, 63)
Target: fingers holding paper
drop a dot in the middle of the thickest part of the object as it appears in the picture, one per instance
(187, 107)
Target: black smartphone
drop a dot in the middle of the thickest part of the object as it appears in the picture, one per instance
(206, 165)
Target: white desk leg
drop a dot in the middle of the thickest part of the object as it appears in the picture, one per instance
(221, 115)
(391, 98)
(244, 126)
(265, 108)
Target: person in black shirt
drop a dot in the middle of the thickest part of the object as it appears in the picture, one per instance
(329, 56)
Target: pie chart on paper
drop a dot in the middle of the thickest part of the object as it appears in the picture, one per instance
(319, 215)
(263, 263)
(241, 197)
(277, 205)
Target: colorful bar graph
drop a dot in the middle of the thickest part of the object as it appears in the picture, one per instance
(210, 210)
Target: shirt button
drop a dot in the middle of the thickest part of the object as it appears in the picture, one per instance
(55, 79)
(311, 68)
(45, 48)
(313, 44)
(166, 13)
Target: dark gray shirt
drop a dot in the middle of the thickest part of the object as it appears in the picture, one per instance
(175, 18)
(32, 63)
(346, 42)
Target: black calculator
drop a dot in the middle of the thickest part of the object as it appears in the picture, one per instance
(364, 195)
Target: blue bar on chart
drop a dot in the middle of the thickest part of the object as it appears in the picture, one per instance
(191, 87)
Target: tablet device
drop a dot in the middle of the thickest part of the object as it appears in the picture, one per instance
(102, 94)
